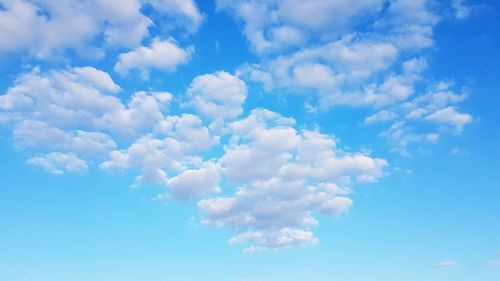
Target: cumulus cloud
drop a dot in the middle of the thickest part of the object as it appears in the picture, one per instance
(438, 105)
(217, 96)
(381, 116)
(45, 27)
(58, 163)
(307, 51)
(284, 177)
(271, 26)
(451, 116)
(162, 54)
(191, 183)
(185, 12)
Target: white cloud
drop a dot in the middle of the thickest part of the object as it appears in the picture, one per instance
(460, 10)
(59, 163)
(271, 26)
(381, 116)
(177, 148)
(185, 12)
(82, 97)
(495, 262)
(192, 183)
(284, 177)
(217, 96)
(46, 28)
(189, 130)
(438, 105)
(451, 116)
(162, 54)
(339, 64)
(30, 134)
(445, 264)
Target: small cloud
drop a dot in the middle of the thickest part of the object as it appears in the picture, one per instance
(445, 264)
(459, 151)
(495, 262)
(310, 108)
(461, 11)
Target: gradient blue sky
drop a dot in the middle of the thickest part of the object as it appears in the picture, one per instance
(249, 140)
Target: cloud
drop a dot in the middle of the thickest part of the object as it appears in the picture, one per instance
(185, 12)
(177, 147)
(381, 116)
(461, 11)
(305, 50)
(451, 116)
(495, 261)
(59, 163)
(46, 28)
(27, 136)
(445, 264)
(284, 177)
(437, 105)
(191, 183)
(271, 26)
(217, 96)
(162, 54)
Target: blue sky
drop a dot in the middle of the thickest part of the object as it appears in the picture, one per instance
(238, 140)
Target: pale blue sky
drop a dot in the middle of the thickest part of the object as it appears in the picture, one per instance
(249, 140)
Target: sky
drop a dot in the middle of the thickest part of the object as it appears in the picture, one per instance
(249, 140)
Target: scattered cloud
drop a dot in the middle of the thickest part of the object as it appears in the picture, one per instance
(460, 10)
(495, 261)
(45, 28)
(217, 96)
(445, 264)
(380, 67)
(284, 176)
(162, 54)
(58, 163)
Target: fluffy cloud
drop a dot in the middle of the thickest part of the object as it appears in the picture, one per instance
(172, 158)
(46, 27)
(284, 176)
(451, 116)
(217, 96)
(57, 163)
(191, 183)
(81, 97)
(271, 25)
(27, 135)
(163, 54)
(307, 51)
(185, 12)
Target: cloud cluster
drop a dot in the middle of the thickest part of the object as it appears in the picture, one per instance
(281, 175)
(339, 53)
(44, 28)
(164, 55)
(256, 172)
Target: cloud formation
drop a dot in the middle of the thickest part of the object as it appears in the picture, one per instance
(163, 54)
(370, 54)
(251, 170)
(282, 175)
(45, 28)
